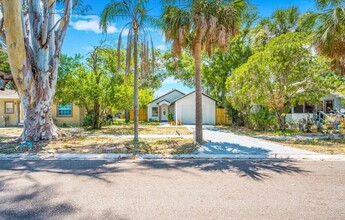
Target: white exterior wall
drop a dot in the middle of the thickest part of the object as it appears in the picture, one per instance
(169, 97)
(296, 117)
(185, 110)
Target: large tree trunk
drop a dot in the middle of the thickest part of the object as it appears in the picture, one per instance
(34, 41)
(127, 119)
(97, 115)
(38, 122)
(198, 89)
(136, 89)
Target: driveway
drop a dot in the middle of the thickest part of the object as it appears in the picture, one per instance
(223, 142)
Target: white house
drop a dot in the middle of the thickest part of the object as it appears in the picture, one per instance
(182, 107)
(327, 104)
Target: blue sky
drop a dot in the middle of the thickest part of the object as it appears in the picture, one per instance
(84, 32)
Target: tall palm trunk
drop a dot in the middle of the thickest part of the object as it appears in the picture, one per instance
(198, 91)
(136, 97)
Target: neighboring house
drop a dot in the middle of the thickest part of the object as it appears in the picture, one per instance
(182, 107)
(327, 104)
(69, 115)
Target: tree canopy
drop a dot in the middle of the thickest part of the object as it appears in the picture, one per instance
(283, 74)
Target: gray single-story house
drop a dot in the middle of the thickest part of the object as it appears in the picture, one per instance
(182, 106)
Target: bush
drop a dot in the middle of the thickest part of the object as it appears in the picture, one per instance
(170, 117)
(263, 119)
(88, 120)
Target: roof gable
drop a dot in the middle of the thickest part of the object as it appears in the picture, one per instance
(166, 96)
(182, 97)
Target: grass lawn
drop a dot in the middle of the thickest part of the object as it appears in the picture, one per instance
(330, 146)
(325, 146)
(105, 140)
(118, 128)
(104, 145)
(8, 145)
(253, 133)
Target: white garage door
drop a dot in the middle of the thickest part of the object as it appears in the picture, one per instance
(188, 114)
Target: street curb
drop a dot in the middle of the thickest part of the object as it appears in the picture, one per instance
(62, 156)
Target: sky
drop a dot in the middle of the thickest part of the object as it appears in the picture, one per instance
(84, 32)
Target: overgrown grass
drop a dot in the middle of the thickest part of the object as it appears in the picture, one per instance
(8, 145)
(251, 132)
(328, 146)
(145, 129)
(121, 128)
(98, 144)
(118, 145)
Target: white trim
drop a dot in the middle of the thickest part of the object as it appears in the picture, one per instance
(164, 103)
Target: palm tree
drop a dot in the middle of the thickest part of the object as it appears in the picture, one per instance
(281, 22)
(138, 33)
(198, 25)
(329, 31)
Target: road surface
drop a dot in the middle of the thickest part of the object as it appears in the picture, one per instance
(172, 189)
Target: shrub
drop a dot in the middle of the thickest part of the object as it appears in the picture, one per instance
(88, 120)
(263, 119)
(170, 117)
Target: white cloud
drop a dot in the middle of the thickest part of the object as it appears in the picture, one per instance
(170, 80)
(91, 23)
(161, 47)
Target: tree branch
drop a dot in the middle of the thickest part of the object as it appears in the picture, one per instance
(5, 78)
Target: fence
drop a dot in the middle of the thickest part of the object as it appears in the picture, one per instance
(142, 115)
(222, 117)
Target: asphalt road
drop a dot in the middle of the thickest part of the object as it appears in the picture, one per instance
(168, 189)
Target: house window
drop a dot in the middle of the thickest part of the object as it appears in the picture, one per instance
(65, 110)
(9, 107)
(154, 111)
(309, 108)
(298, 109)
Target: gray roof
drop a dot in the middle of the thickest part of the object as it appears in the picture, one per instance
(173, 102)
(9, 94)
(174, 90)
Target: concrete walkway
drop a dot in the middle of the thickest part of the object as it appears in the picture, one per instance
(223, 142)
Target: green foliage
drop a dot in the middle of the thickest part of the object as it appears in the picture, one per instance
(181, 68)
(88, 119)
(4, 64)
(282, 21)
(263, 118)
(221, 66)
(215, 71)
(94, 86)
(171, 117)
(284, 74)
(328, 27)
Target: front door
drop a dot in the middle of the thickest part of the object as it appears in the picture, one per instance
(329, 106)
(164, 113)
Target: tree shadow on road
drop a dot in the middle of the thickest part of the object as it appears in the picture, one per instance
(254, 169)
(92, 169)
(24, 194)
(30, 200)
